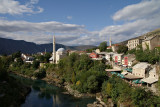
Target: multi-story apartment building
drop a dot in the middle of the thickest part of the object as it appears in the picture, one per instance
(132, 44)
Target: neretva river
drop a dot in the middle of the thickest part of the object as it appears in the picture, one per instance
(46, 95)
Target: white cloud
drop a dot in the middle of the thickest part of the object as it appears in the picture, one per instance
(144, 9)
(34, 1)
(141, 18)
(14, 7)
(41, 32)
(24, 26)
(69, 17)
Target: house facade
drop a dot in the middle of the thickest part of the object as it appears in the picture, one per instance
(128, 60)
(132, 44)
(151, 42)
(27, 58)
(141, 69)
(117, 58)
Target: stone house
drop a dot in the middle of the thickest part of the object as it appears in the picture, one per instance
(141, 69)
(151, 42)
(152, 79)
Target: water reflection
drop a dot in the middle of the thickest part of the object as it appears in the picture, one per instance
(46, 95)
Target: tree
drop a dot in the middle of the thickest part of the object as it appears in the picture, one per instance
(103, 46)
(41, 74)
(92, 84)
(19, 61)
(16, 55)
(46, 57)
(35, 64)
(122, 49)
(3, 72)
(85, 62)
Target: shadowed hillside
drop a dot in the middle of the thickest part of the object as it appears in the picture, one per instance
(9, 46)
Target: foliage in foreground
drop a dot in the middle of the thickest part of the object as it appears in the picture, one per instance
(10, 89)
(119, 90)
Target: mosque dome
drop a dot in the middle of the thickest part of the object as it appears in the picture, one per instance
(62, 50)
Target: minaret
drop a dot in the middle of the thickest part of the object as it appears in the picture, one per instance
(54, 50)
(45, 51)
(110, 42)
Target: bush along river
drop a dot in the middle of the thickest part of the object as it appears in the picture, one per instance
(46, 95)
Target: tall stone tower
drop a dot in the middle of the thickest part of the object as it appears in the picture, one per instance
(110, 42)
(54, 50)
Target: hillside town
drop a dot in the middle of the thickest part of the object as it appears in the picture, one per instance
(140, 74)
(135, 64)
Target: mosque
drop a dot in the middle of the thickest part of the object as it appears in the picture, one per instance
(57, 55)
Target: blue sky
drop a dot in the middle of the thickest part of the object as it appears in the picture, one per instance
(77, 22)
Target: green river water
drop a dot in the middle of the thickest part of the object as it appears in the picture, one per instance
(45, 95)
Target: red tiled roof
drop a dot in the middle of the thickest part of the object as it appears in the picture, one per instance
(116, 44)
(109, 46)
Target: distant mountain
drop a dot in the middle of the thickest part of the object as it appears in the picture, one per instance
(152, 33)
(9, 46)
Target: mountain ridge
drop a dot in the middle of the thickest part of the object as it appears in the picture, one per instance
(9, 46)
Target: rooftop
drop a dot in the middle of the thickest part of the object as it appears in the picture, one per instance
(141, 65)
(132, 77)
(149, 80)
(61, 50)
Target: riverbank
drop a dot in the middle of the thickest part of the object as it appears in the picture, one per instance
(55, 80)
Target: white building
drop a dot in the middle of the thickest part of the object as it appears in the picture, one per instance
(27, 58)
(141, 69)
(132, 44)
(109, 56)
(56, 56)
(117, 58)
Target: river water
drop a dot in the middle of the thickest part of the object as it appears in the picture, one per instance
(46, 95)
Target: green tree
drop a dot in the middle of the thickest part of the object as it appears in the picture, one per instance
(41, 74)
(46, 57)
(85, 62)
(73, 78)
(122, 49)
(103, 46)
(16, 55)
(35, 64)
(3, 72)
(92, 84)
(19, 61)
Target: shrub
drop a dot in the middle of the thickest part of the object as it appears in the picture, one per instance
(41, 74)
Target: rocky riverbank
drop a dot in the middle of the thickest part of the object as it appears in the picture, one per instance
(55, 80)
(100, 103)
